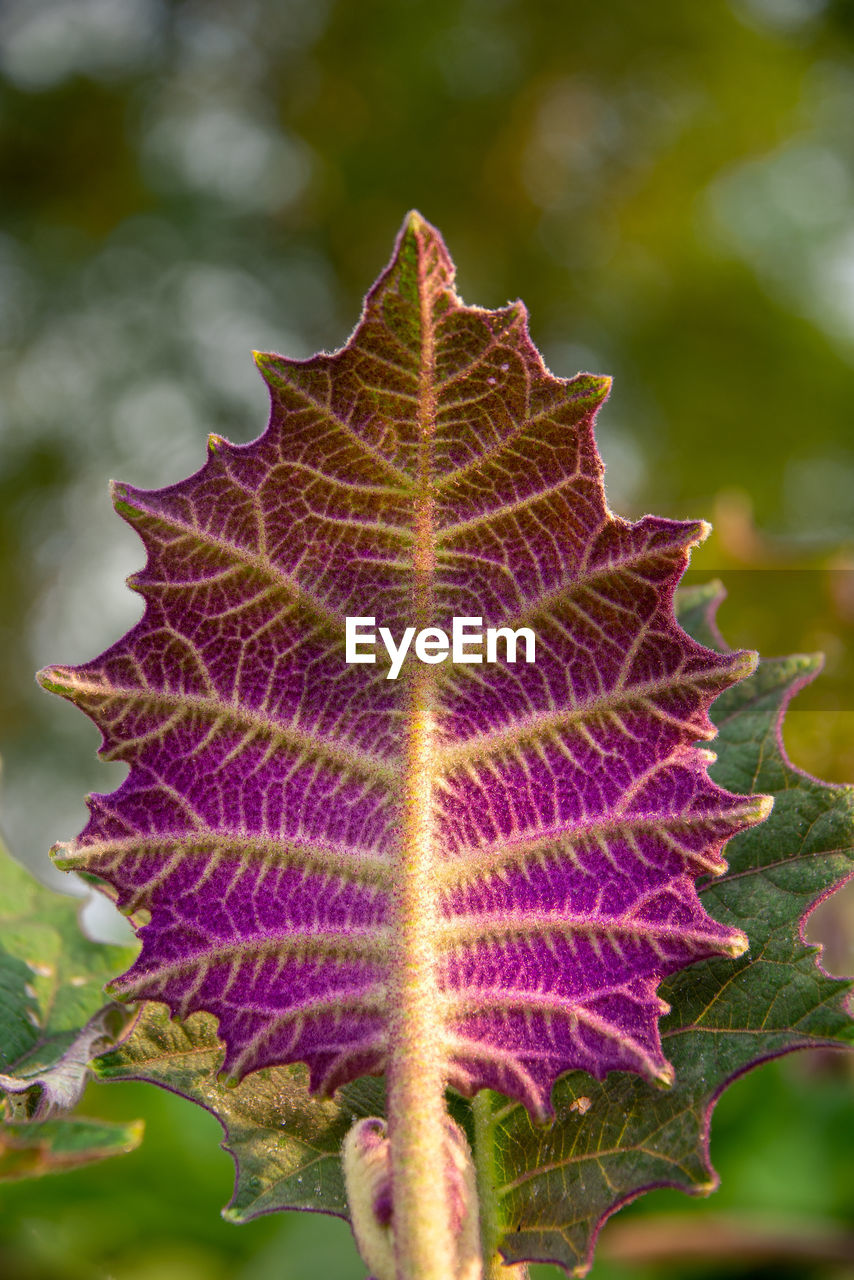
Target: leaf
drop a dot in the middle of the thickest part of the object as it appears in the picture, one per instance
(52, 1012)
(492, 866)
(614, 1140)
(55, 1146)
(610, 1141)
(52, 1021)
(286, 1144)
(50, 1079)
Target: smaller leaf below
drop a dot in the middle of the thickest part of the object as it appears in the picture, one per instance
(286, 1144)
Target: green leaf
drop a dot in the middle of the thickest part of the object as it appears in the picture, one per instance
(613, 1140)
(54, 1146)
(286, 1144)
(53, 1016)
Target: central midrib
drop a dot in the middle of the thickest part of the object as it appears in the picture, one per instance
(417, 920)
(416, 1067)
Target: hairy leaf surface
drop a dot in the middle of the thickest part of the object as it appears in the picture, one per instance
(286, 1144)
(504, 853)
(613, 1140)
(609, 1141)
(53, 1016)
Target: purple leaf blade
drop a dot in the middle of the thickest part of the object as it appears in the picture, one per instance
(277, 795)
(611, 1142)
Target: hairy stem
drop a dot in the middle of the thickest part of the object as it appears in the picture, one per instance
(424, 1244)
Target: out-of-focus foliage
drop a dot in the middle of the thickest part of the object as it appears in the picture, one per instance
(62, 1144)
(669, 188)
(54, 1015)
(53, 1019)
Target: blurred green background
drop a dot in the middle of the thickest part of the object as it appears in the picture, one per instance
(668, 186)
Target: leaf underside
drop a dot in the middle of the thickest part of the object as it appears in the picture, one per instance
(609, 1142)
(279, 797)
(614, 1140)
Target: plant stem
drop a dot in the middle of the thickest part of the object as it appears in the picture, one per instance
(424, 1244)
(484, 1159)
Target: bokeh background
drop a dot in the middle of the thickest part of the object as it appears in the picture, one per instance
(669, 187)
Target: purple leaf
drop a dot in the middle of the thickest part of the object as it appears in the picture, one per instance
(546, 1192)
(324, 850)
(553, 1189)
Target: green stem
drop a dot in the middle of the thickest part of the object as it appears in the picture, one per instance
(484, 1159)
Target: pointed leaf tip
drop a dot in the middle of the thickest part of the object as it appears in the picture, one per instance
(762, 806)
(414, 221)
(273, 368)
(745, 664)
(122, 496)
(420, 265)
(55, 680)
(738, 944)
(596, 388)
(415, 224)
